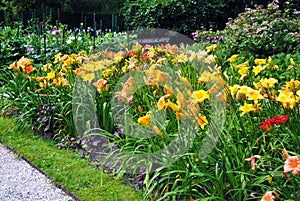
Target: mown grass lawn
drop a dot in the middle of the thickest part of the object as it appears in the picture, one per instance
(65, 167)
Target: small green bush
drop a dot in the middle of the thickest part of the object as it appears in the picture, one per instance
(264, 31)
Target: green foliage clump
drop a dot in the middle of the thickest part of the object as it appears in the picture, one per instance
(264, 31)
(181, 16)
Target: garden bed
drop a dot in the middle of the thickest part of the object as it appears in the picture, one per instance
(216, 120)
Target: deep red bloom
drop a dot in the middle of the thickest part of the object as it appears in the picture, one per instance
(280, 119)
(41, 23)
(268, 124)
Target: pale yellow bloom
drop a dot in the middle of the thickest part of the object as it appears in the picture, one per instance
(260, 61)
(268, 83)
(88, 76)
(257, 69)
(246, 108)
(211, 48)
(286, 98)
(200, 96)
(233, 58)
(245, 89)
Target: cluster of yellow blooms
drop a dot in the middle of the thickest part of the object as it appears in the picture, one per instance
(103, 69)
(56, 73)
(150, 61)
(288, 95)
(109, 66)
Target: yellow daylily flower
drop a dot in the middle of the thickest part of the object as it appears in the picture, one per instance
(182, 58)
(211, 48)
(268, 83)
(246, 108)
(260, 61)
(254, 95)
(161, 104)
(14, 66)
(245, 89)
(286, 98)
(145, 120)
(243, 71)
(233, 58)
(202, 121)
(243, 65)
(234, 89)
(200, 96)
(51, 74)
(173, 106)
(88, 77)
(69, 61)
(292, 62)
(257, 69)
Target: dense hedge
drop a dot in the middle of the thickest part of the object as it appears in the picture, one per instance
(185, 16)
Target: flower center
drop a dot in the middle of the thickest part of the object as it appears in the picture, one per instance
(294, 163)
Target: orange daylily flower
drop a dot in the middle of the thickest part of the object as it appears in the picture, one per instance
(179, 115)
(23, 62)
(64, 81)
(157, 131)
(29, 69)
(39, 79)
(14, 66)
(100, 84)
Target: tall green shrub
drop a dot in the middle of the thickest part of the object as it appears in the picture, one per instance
(184, 16)
(264, 31)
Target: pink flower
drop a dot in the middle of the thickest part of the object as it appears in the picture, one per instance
(292, 164)
(268, 196)
(252, 160)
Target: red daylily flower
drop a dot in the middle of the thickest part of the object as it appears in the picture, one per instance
(268, 124)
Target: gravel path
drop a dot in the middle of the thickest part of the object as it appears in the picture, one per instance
(21, 182)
